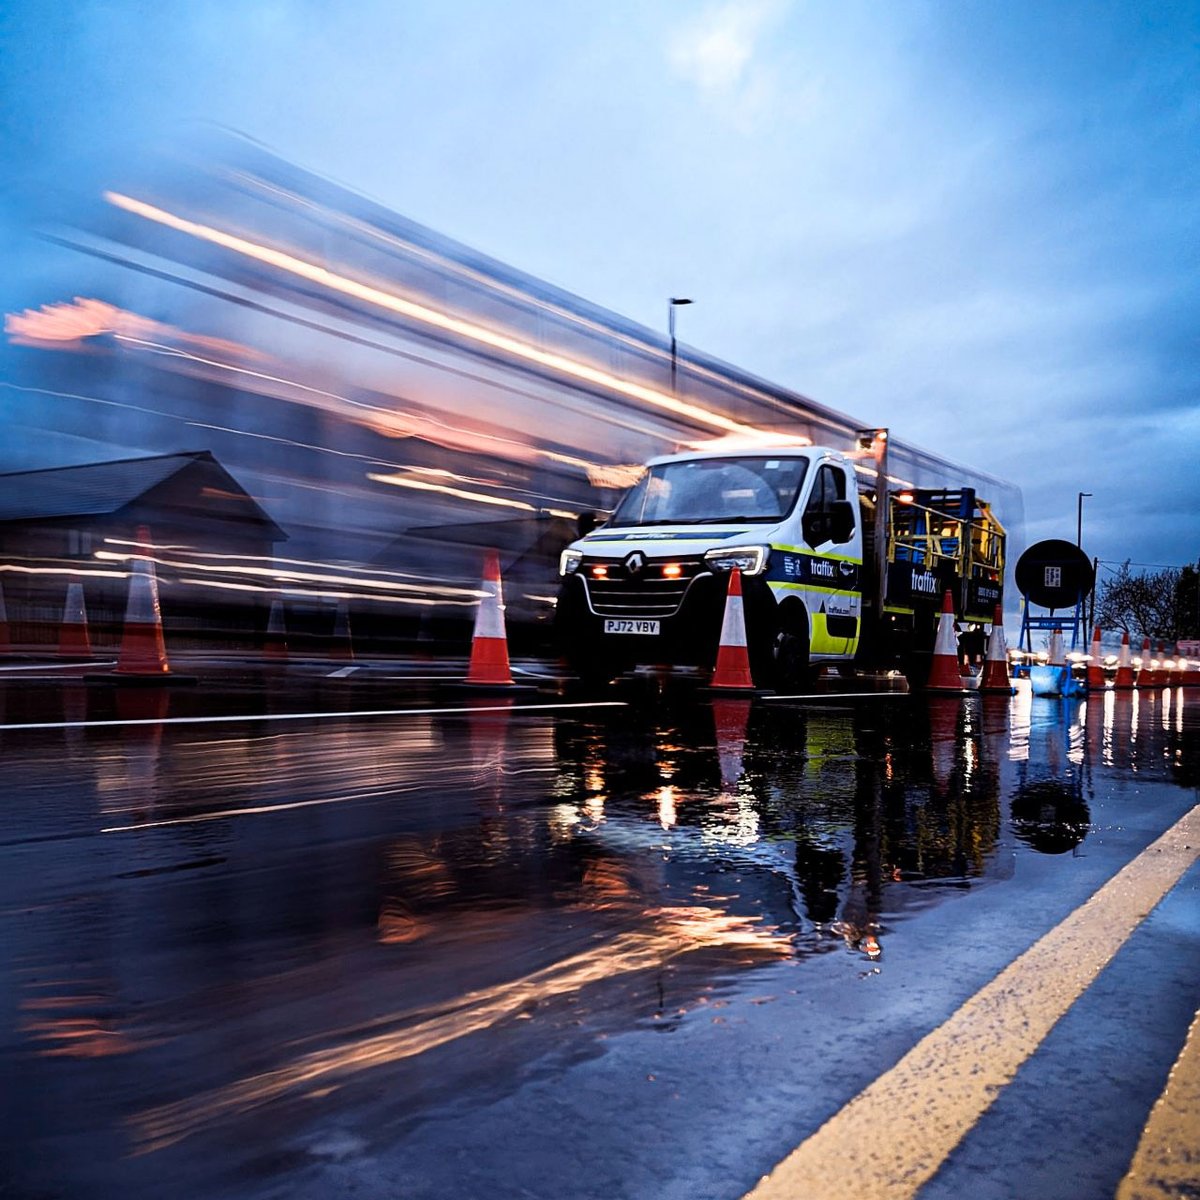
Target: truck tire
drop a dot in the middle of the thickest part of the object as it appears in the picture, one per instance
(793, 670)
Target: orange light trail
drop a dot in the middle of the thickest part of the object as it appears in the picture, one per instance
(284, 576)
(677, 931)
(499, 287)
(422, 485)
(391, 302)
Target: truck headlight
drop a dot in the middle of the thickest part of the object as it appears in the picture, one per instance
(750, 560)
(568, 561)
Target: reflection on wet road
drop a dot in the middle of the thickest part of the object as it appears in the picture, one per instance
(410, 954)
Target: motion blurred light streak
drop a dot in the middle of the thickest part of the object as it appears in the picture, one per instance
(680, 931)
(381, 412)
(302, 269)
(298, 576)
(86, 574)
(424, 486)
(343, 715)
(49, 328)
(258, 810)
(275, 561)
(450, 267)
(176, 352)
(322, 594)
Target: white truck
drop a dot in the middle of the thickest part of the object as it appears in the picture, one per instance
(829, 575)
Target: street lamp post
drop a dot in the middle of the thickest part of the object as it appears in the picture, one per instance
(673, 304)
(1079, 519)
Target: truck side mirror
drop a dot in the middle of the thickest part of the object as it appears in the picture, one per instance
(585, 523)
(841, 521)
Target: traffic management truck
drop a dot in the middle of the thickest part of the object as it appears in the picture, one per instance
(836, 569)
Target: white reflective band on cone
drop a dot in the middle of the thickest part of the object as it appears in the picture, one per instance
(733, 627)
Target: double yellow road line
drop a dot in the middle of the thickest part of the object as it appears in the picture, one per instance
(932, 1098)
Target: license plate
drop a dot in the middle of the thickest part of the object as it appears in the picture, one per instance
(623, 625)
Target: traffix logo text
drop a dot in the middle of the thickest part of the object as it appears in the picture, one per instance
(824, 569)
(922, 581)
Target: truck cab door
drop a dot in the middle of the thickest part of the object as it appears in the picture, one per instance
(830, 521)
(831, 527)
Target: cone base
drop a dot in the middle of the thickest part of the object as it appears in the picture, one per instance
(732, 671)
(999, 687)
(944, 677)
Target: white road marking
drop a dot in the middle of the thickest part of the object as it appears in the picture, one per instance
(259, 810)
(89, 665)
(341, 673)
(894, 1135)
(317, 716)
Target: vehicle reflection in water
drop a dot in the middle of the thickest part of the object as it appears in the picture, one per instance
(805, 814)
(407, 913)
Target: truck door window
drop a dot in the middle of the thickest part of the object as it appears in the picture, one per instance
(824, 519)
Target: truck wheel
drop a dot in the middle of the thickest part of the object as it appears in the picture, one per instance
(793, 671)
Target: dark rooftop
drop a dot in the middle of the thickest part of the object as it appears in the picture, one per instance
(99, 489)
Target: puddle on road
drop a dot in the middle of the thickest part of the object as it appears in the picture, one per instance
(444, 905)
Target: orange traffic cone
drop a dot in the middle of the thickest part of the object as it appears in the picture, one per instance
(143, 655)
(733, 659)
(489, 646)
(943, 675)
(1147, 676)
(1095, 667)
(1124, 679)
(73, 640)
(995, 670)
(5, 642)
(1163, 678)
(275, 646)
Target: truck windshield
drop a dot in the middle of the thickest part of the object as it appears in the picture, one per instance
(710, 490)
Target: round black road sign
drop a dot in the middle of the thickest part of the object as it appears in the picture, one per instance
(1054, 574)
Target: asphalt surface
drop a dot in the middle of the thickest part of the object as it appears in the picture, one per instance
(282, 934)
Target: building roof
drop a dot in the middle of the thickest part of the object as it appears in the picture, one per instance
(100, 489)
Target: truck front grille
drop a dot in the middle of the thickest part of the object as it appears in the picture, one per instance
(644, 593)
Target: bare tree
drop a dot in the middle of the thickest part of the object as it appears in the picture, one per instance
(1161, 604)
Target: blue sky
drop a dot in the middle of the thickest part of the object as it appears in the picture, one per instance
(975, 223)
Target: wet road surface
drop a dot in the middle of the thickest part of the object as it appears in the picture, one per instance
(643, 949)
